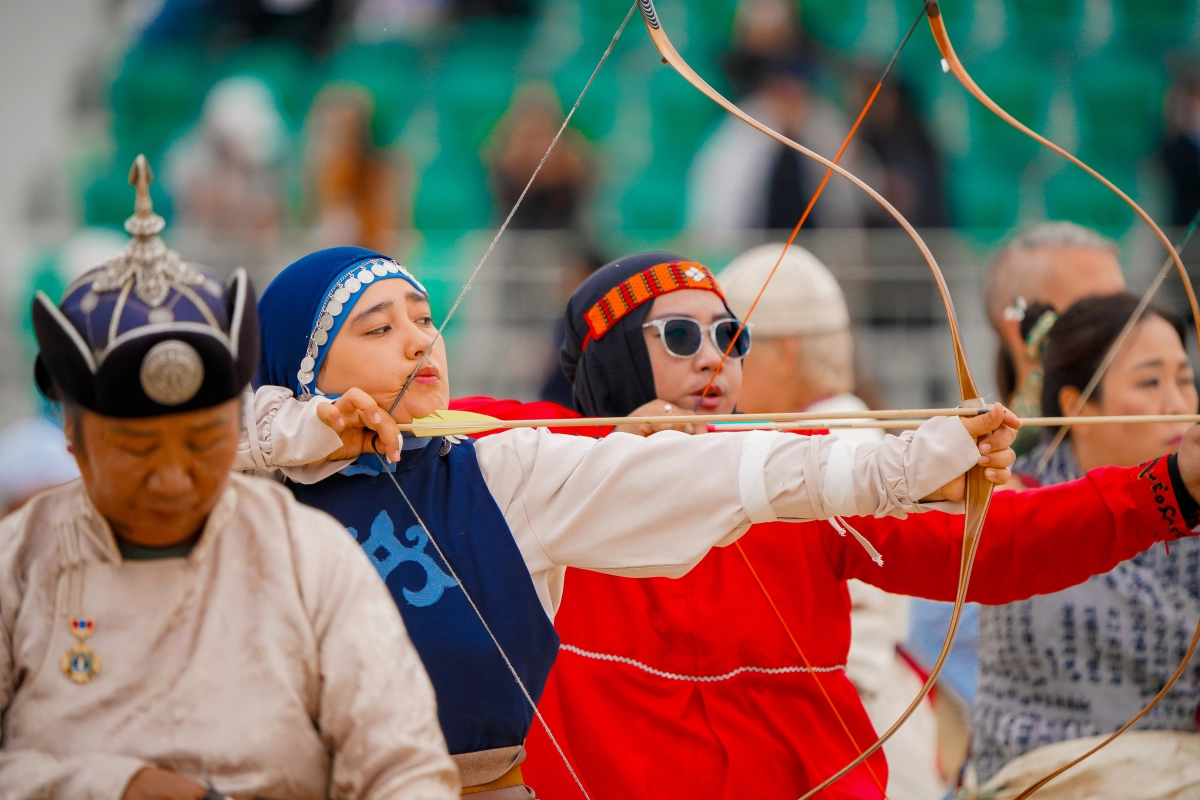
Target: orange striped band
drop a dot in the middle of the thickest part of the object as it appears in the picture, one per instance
(647, 285)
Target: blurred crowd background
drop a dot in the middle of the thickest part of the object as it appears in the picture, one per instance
(410, 126)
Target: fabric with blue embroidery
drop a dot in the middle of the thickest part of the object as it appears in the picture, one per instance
(480, 705)
(1083, 661)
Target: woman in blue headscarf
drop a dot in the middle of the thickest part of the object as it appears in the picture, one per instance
(473, 538)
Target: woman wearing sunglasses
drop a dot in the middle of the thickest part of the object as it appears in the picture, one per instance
(692, 686)
(461, 531)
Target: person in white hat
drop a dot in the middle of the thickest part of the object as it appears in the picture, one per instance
(803, 357)
(803, 360)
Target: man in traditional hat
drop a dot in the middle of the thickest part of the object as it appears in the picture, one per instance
(803, 360)
(170, 630)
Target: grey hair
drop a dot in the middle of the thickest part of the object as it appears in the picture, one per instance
(1008, 276)
(1058, 234)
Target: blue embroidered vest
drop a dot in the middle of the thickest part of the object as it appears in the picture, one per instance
(480, 706)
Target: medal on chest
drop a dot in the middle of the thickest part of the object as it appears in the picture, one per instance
(80, 663)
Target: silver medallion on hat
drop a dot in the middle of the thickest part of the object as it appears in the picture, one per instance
(172, 372)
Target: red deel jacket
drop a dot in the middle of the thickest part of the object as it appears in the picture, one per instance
(691, 688)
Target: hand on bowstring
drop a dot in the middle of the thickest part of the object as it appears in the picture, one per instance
(994, 434)
(358, 420)
(661, 408)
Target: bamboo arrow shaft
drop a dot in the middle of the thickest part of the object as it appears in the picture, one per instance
(910, 418)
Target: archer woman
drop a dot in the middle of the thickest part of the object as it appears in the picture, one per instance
(1061, 671)
(702, 667)
(473, 539)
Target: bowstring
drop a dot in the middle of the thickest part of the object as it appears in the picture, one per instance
(1119, 342)
(520, 198)
(742, 326)
(808, 665)
(421, 362)
(487, 628)
(808, 209)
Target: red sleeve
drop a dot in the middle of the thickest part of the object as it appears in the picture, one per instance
(515, 409)
(1034, 542)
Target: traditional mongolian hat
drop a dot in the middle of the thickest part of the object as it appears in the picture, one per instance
(146, 333)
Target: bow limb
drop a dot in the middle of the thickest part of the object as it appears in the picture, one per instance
(942, 37)
(978, 489)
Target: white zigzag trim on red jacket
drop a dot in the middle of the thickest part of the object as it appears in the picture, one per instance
(570, 648)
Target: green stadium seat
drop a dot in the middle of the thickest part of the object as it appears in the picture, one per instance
(391, 73)
(156, 96)
(1151, 25)
(1050, 24)
(598, 21)
(473, 87)
(681, 116)
(1118, 106)
(598, 111)
(1074, 195)
(656, 201)
(1020, 87)
(838, 24)
(453, 194)
(984, 198)
(284, 67)
(108, 201)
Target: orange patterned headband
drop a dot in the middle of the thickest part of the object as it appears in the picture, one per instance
(645, 286)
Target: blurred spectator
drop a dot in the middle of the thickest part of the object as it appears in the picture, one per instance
(1055, 263)
(1181, 151)
(33, 457)
(802, 359)
(1059, 667)
(742, 180)
(226, 174)
(352, 187)
(312, 23)
(521, 139)
(766, 33)
(912, 170)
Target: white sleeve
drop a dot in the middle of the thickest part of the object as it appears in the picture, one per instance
(654, 506)
(280, 432)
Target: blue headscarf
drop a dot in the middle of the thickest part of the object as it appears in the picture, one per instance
(303, 309)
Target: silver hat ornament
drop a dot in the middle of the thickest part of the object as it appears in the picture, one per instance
(147, 262)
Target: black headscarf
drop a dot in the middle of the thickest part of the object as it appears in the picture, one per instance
(612, 376)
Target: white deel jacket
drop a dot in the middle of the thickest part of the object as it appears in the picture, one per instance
(654, 506)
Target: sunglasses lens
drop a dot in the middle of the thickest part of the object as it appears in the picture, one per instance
(726, 331)
(682, 336)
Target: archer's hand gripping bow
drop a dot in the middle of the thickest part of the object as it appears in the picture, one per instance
(942, 37)
(978, 489)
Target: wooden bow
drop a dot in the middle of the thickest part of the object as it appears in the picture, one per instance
(978, 489)
(942, 37)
